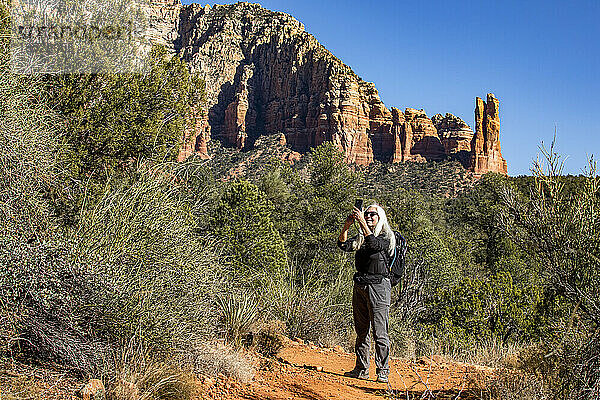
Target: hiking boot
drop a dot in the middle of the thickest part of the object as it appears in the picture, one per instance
(357, 373)
(382, 377)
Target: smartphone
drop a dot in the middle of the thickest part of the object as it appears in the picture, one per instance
(358, 203)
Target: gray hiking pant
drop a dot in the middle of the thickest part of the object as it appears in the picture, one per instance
(371, 308)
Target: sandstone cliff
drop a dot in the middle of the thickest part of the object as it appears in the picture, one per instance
(266, 75)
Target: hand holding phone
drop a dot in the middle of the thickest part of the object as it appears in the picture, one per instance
(358, 203)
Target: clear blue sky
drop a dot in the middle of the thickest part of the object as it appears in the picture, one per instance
(540, 58)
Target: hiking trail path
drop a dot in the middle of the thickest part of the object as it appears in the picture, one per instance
(305, 371)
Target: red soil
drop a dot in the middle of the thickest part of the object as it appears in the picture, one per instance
(300, 371)
(308, 372)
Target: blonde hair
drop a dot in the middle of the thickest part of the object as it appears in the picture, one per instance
(382, 226)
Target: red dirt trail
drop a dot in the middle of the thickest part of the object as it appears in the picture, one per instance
(300, 371)
(308, 372)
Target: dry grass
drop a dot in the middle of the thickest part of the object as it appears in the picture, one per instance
(408, 343)
(212, 359)
(509, 384)
(152, 381)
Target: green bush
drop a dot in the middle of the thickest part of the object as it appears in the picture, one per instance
(134, 268)
(313, 306)
(113, 118)
(477, 310)
(242, 222)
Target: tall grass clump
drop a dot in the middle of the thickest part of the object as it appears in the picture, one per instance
(29, 172)
(159, 274)
(132, 268)
(314, 307)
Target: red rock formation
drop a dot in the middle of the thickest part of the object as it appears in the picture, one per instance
(407, 140)
(485, 147)
(265, 76)
(238, 115)
(456, 137)
(425, 140)
(398, 132)
(196, 136)
(295, 85)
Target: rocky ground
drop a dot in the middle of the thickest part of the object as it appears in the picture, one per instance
(300, 371)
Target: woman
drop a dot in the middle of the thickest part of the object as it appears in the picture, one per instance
(374, 246)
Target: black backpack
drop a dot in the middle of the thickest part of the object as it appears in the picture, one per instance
(397, 265)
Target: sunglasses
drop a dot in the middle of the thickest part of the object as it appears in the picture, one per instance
(371, 214)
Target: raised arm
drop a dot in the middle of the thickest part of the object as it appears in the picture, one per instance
(344, 234)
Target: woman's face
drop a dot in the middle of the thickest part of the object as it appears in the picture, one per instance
(371, 217)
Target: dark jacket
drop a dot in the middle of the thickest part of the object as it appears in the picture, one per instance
(372, 256)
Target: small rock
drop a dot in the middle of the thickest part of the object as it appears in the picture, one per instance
(93, 390)
(319, 368)
(338, 349)
(209, 382)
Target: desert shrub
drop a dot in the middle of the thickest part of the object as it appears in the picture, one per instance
(269, 338)
(41, 292)
(132, 265)
(476, 310)
(134, 268)
(29, 165)
(313, 306)
(317, 196)
(29, 172)
(511, 385)
(238, 312)
(559, 227)
(139, 376)
(159, 274)
(475, 215)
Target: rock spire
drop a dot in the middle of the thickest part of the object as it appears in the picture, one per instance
(485, 147)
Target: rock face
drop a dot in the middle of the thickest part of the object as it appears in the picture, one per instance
(196, 136)
(425, 142)
(456, 137)
(266, 75)
(485, 146)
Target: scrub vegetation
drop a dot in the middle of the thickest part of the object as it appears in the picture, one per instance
(119, 263)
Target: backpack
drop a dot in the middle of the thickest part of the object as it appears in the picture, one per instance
(397, 266)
